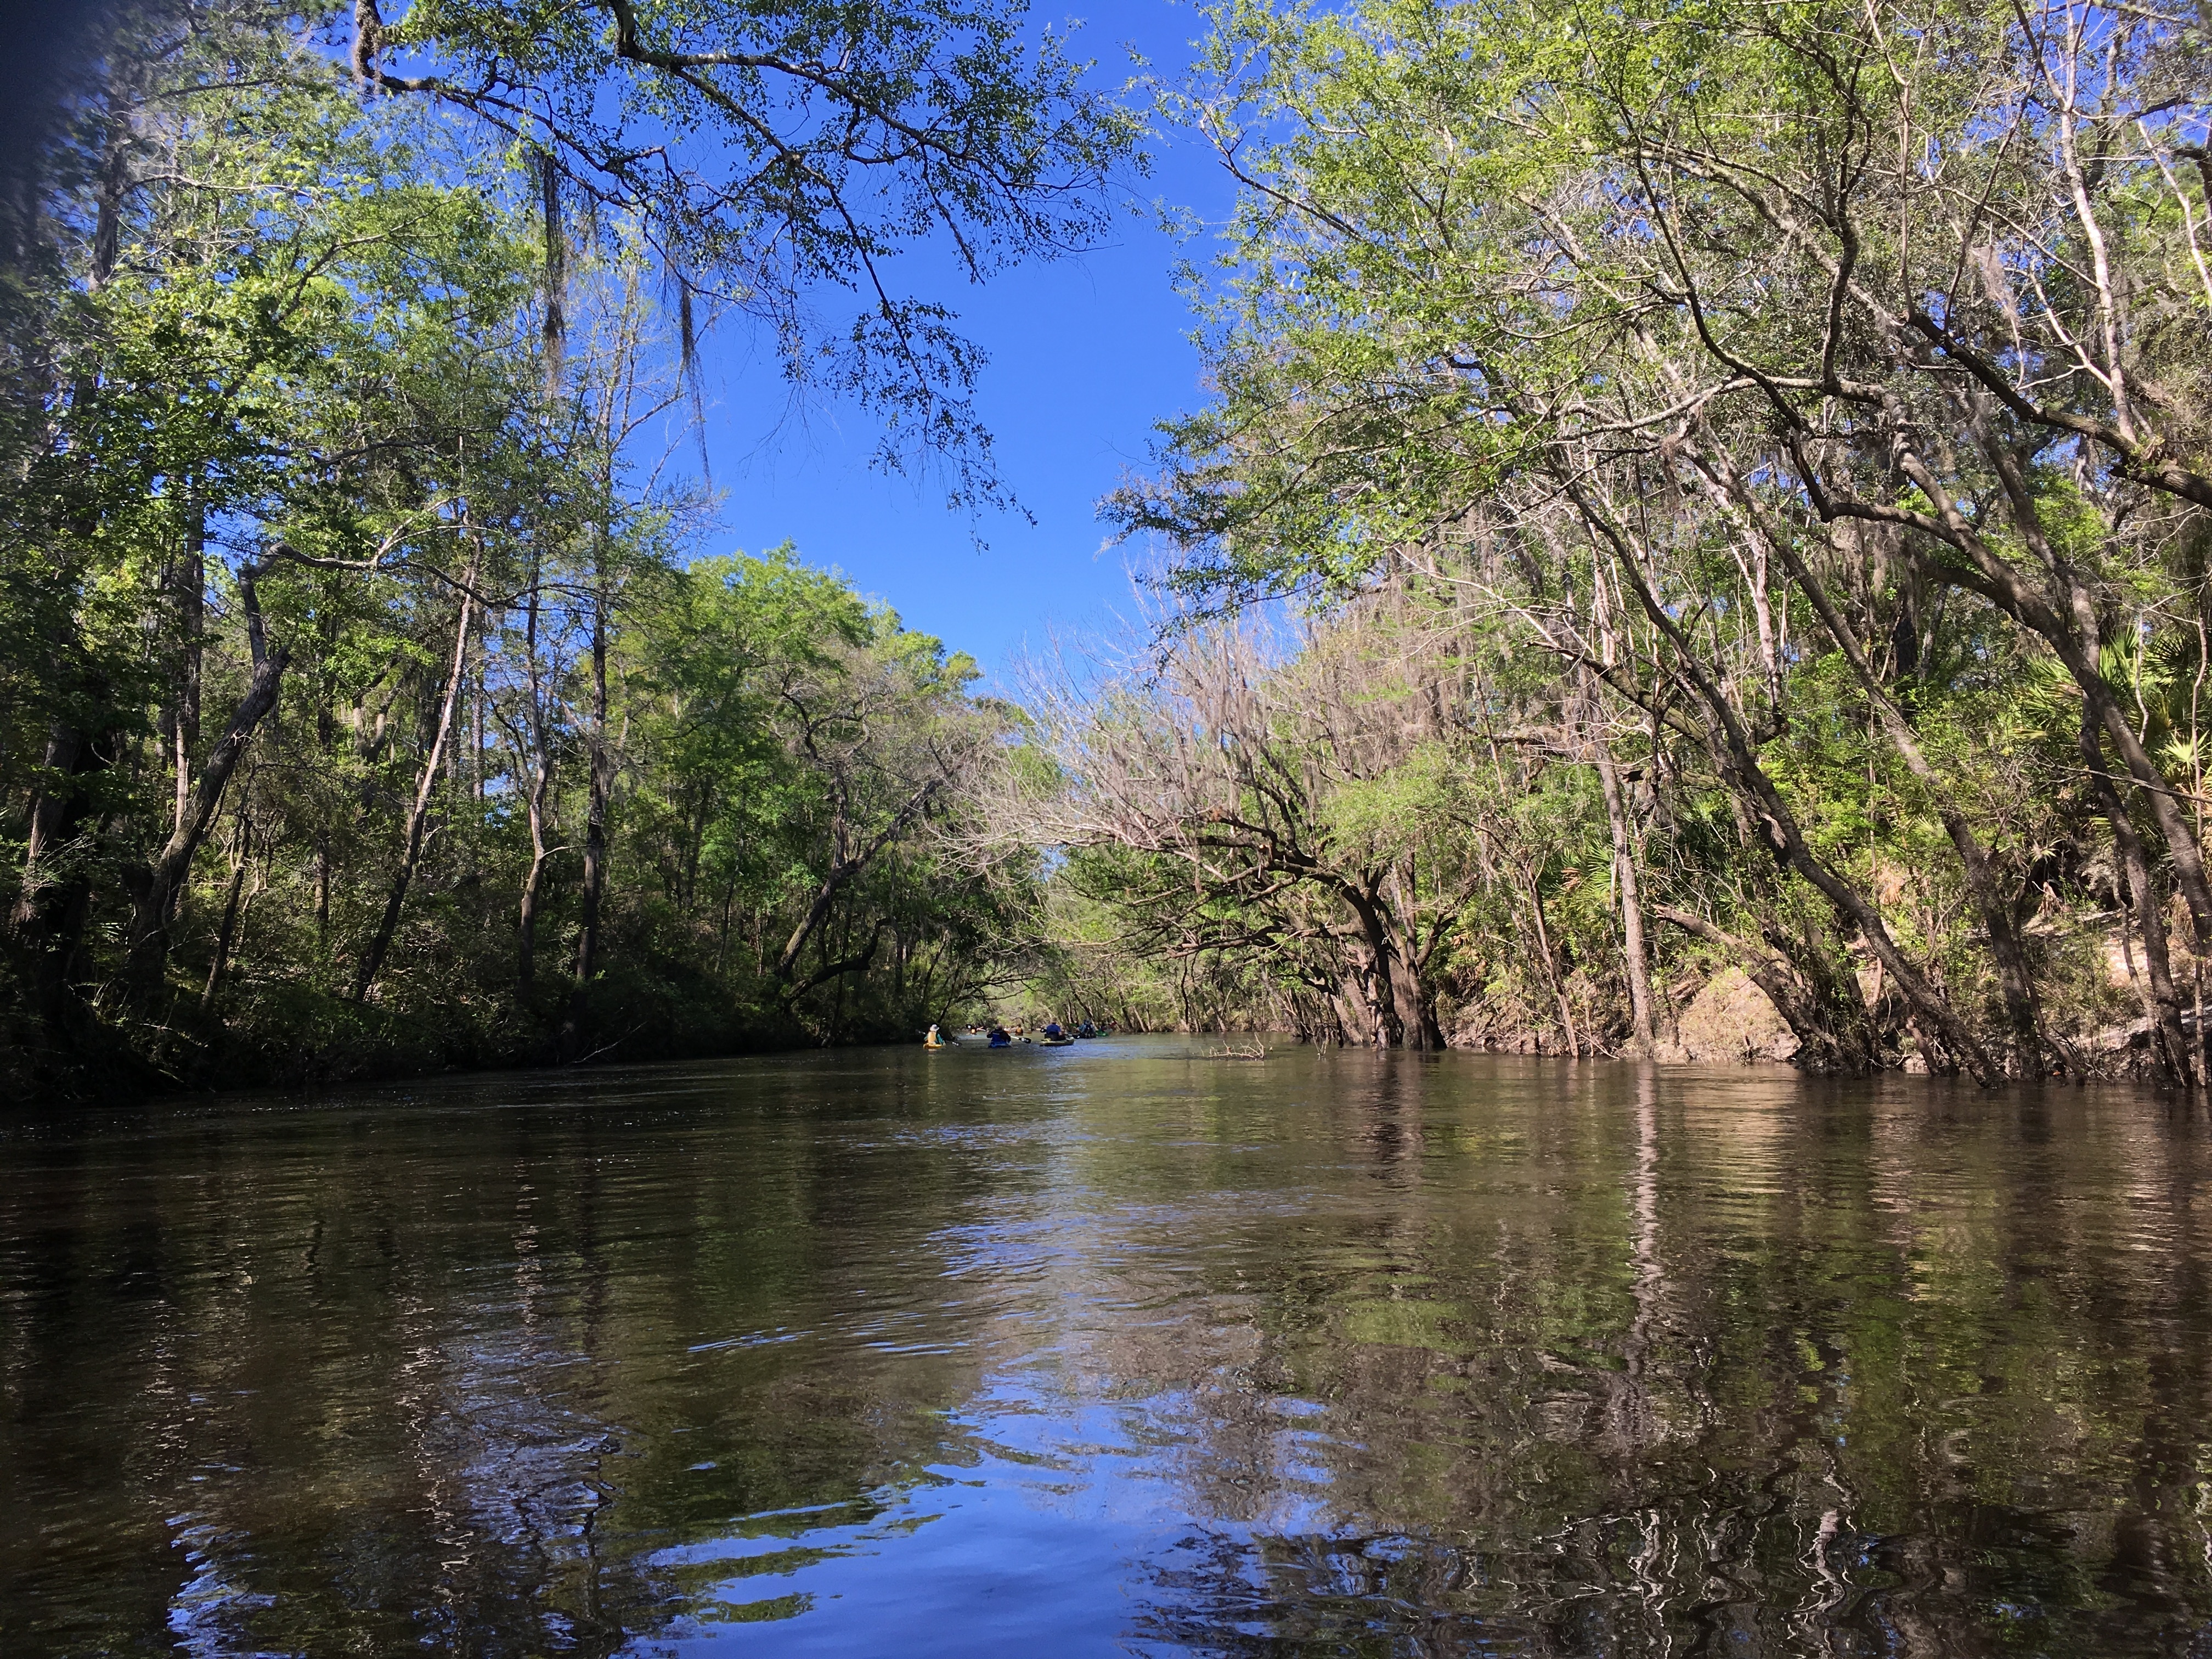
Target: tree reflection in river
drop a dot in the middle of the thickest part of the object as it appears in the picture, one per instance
(1927, 1378)
(414, 1370)
(1119, 1350)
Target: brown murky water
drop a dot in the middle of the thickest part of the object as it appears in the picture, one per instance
(1112, 1349)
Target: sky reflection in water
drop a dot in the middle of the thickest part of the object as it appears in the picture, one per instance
(1114, 1350)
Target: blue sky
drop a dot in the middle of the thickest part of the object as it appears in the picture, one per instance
(1086, 354)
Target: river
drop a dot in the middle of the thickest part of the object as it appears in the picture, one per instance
(1120, 1349)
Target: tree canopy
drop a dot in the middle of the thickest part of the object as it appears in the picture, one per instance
(368, 701)
(1791, 421)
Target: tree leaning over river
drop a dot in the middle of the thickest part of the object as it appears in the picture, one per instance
(357, 709)
(1761, 458)
(1684, 490)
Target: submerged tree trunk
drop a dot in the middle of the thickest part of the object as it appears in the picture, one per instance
(1379, 986)
(1416, 1015)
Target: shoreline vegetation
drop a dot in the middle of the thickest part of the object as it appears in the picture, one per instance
(1695, 543)
(1686, 491)
(368, 701)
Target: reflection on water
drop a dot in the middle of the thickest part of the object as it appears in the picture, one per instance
(1115, 1350)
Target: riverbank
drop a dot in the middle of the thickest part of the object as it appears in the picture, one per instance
(290, 1035)
(1710, 1012)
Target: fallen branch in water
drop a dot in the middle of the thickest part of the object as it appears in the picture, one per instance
(581, 1059)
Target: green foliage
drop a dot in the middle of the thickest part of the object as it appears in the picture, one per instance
(365, 709)
(1676, 424)
(782, 154)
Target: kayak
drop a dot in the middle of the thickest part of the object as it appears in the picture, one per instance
(1056, 1042)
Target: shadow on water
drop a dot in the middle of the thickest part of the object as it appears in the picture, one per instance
(1114, 1350)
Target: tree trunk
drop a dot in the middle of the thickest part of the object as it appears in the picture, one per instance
(533, 883)
(2161, 1003)
(156, 889)
(1380, 987)
(1552, 967)
(228, 930)
(1354, 1018)
(55, 812)
(1416, 1000)
(2007, 952)
(600, 761)
(1417, 1019)
(595, 814)
(2070, 625)
(191, 586)
(541, 782)
(50, 911)
(1735, 754)
(846, 863)
(1832, 1036)
(723, 935)
(371, 961)
(1631, 908)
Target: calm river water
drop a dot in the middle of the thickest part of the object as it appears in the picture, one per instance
(1114, 1350)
